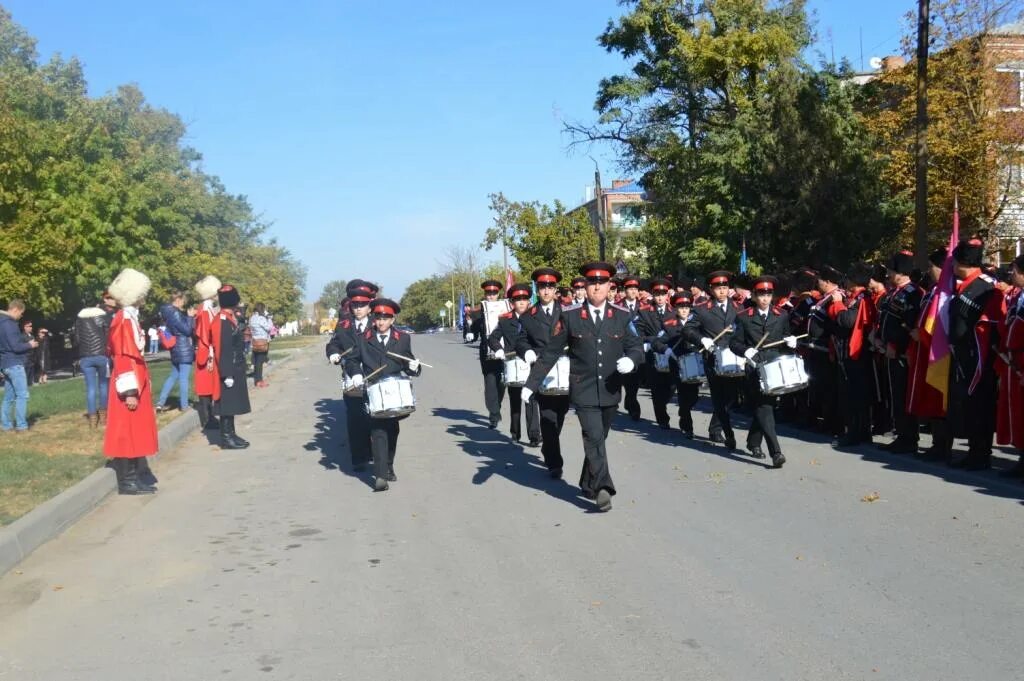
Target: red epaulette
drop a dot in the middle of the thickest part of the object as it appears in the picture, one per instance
(507, 315)
(750, 312)
(671, 322)
(368, 334)
(646, 307)
(398, 334)
(346, 323)
(706, 305)
(533, 310)
(777, 309)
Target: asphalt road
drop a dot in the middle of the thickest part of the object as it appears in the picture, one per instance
(274, 563)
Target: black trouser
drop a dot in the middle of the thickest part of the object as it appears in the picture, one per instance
(688, 394)
(823, 391)
(661, 384)
(357, 421)
(631, 384)
(855, 397)
(258, 360)
(383, 442)
(595, 422)
(515, 408)
(494, 388)
(763, 424)
(881, 412)
(973, 415)
(552, 415)
(904, 423)
(723, 396)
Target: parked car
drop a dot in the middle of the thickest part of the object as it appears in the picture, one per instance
(405, 328)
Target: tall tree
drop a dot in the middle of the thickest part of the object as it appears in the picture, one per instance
(332, 293)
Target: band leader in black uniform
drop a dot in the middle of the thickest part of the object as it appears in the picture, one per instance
(538, 328)
(677, 344)
(651, 328)
(762, 324)
(631, 382)
(506, 337)
(898, 317)
(344, 343)
(374, 347)
(494, 388)
(602, 347)
(713, 317)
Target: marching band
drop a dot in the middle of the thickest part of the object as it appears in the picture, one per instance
(848, 354)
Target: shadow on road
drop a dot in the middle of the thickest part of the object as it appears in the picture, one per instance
(331, 439)
(499, 456)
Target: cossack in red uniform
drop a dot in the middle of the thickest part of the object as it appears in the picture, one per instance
(207, 378)
(130, 434)
(1010, 366)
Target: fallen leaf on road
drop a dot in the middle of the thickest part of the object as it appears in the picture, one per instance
(58, 587)
(799, 557)
(595, 603)
(874, 496)
(815, 462)
(19, 572)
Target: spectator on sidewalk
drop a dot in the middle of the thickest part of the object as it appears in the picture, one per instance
(181, 326)
(131, 433)
(260, 327)
(29, 359)
(13, 350)
(154, 340)
(92, 325)
(42, 356)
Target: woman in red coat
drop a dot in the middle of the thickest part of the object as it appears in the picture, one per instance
(131, 433)
(206, 368)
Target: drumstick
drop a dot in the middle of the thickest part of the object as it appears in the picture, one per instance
(408, 359)
(376, 371)
(726, 330)
(772, 345)
(758, 346)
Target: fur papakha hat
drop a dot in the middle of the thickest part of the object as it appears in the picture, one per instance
(207, 287)
(130, 287)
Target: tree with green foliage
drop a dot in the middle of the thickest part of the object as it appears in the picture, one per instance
(332, 293)
(539, 235)
(423, 300)
(90, 186)
(736, 137)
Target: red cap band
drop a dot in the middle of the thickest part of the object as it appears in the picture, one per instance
(631, 282)
(764, 286)
(492, 288)
(384, 309)
(660, 288)
(359, 299)
(599, 273)
(547, 279)
(719, 280)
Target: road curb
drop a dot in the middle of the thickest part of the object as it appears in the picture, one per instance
(50, 518)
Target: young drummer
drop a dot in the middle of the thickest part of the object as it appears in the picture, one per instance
(373, 356)
(757, 327)
(505, 337)
(677, 344)
(651, 328)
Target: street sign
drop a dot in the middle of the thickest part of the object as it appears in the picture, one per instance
(442, 313)
(448, 304)
(620, 267)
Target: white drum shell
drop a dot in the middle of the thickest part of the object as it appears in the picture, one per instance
(691, 368)
(783, 375)
(390, 397)
(727, 363)
(516, 372)
(557, 380)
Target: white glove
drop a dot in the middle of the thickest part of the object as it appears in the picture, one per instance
(499, 354)
(647, 347)
(357, 380)
(335, 358)
(707, 343)
(229, 381)
(530, 357)
(414, 365)
(470, 337)
(624, 365)
(750, 353)
(525, 394)
(790, 342)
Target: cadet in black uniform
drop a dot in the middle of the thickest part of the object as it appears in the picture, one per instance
(898, 317)
(373, 354)
(974, 313)
(602, 347)
(651, 329)
(344, 343)
(631, 382)
(762, 324)
(714, 316)
(494, 389)
(676, 343)
(506, 337)
(538, 327)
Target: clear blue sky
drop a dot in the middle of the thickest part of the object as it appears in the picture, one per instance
(370, 134)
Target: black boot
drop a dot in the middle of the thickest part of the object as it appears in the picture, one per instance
(206, 417)
(234, 435)
(143, 473)
(227, 438)
(127, 478)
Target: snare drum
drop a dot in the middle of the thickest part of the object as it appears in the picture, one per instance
(661, 362)
(691, 368)
(557, 380)
(389, 397)
(727, 364)
(516, 372)
(783, 375)
(349, 388)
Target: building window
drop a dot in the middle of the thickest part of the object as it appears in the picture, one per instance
(1008, 89)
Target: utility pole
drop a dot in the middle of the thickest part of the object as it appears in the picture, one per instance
(599, 196)
(921, 146)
